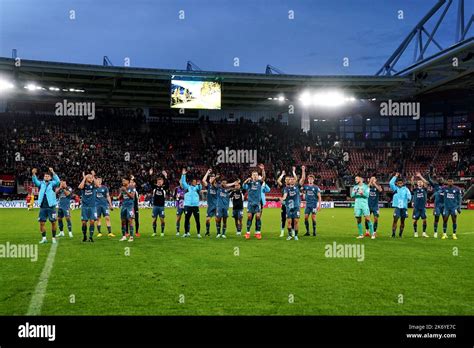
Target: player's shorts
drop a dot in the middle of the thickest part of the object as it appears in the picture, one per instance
(127, 213)
(64, 212)
(237, 213)
(254, 208)
(438, 210)
(103, 210)
(360, 211)
(310, 210)
(47, 214)
(211, 211)
(293, 213)
(88, 213)
(449, 211)
(400, 213)
(222, 212)
(375, 211)
(158, 211)
(419, 213)
(179, 211)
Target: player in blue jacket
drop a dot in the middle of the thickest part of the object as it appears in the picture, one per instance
(191, 204)
(265, 190)
(47, 201)
(452, 206)
(401, 197)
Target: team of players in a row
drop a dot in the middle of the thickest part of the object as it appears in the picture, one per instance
(96, 203)
(447, 203)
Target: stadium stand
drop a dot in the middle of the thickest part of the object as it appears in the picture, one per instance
(129, 145)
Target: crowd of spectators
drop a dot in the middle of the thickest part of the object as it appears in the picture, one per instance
(115, 146)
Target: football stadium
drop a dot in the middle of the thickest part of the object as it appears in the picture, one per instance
(183, 192)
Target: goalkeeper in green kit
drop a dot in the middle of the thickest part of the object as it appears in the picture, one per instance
(361, 207)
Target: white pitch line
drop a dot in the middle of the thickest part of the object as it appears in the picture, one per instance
(40, 290)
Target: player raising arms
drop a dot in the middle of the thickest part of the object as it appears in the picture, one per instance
(88, 188)
(452, 207)
(374, 193)
(136, 210)
(438, 192)
(361, 206)
(420, 196)
(211, 188)
(292, 199)
(104, 206)
(401, 197)
(263, 198)
(223, 201)
(191, 204)
(313, 202)
(46, 201)
(179, 203)
(237, 196)
(127, 211)
(64, 193)
(254, 188)
(159, 199)
(282, 186)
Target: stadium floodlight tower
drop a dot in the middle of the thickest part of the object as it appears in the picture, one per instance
(190, 66)
(416, 35)
(106, 61)
(270, 70)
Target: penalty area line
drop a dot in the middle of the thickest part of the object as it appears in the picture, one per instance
(40, 290)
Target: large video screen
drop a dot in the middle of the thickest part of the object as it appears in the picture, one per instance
(187, 94)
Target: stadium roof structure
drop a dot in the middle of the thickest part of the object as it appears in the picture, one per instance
(129, 86)
(450, 69)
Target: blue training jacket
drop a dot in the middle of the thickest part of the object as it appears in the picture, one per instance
(47, 188)
(265, 189)
(191, 197)
(402, 195)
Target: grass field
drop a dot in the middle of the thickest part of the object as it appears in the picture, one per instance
(177, 276)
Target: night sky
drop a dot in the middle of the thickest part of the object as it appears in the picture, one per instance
(213, 32)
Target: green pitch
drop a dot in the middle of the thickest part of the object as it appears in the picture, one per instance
(177, 276)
